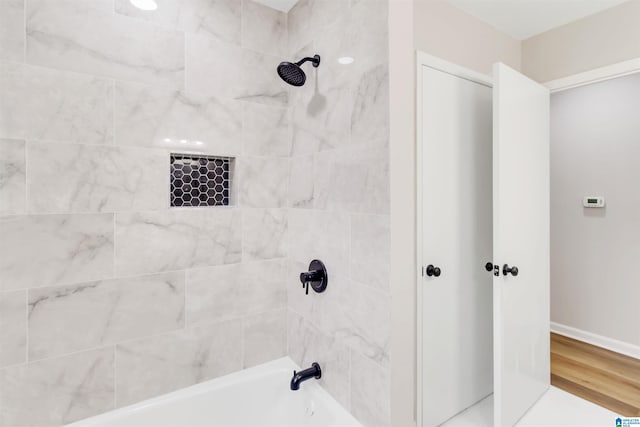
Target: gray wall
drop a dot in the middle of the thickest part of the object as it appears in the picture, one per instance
(339, 193)
(107, 295)
(595, 147)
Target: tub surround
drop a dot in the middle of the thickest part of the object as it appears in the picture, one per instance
(339, 196)
(107, 295)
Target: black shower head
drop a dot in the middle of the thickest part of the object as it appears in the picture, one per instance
(293, 74)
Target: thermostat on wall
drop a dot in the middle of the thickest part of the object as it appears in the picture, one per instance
(593, 202)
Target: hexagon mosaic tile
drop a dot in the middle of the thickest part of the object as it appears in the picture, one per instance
(198, 180)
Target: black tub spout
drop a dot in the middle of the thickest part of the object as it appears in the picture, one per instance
(313, 372)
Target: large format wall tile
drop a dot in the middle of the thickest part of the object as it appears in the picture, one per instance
(233, 291)
(227, 71)
(265, 337)
(370, 385)
(78, 36)
(264, 29)
(163, 363)
(42, 250)
(57, 391)
(259, 82)
(370, 250)
(320, 235)
(356, 315)
(353, 179)
(152, 116)
(219, 19)
(263, 182)
(309, 18)
(264, 234)
(370, 116)
(307, 344)
(301, 174)
(13, 171)
(45, 104)
(150, 242)
(265, 130)
(12, 30)
(212, 68)
(84, 178)
(65, 319)
(321, 109)
(13, 328)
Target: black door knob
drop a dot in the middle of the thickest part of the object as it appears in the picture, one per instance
(488, 266)
(506, 270)
(433, 271)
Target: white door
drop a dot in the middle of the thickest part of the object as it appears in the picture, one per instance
(520, 239)
(456, 143)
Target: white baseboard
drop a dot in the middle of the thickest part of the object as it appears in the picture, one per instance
(597, 340)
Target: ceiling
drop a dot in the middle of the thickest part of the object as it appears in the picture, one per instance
(283, 5)
(522, 19)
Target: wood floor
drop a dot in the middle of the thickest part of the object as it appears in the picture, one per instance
(601, 376)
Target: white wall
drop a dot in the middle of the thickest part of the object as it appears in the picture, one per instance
(449, 33)
(402, 92)
(602, 39)
(595, 147)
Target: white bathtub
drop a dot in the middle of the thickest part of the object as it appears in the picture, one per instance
(255, 397)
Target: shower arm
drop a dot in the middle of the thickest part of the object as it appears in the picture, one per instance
(315, 60)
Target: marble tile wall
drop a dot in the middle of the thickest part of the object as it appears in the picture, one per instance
(107, 295)
(339, 202)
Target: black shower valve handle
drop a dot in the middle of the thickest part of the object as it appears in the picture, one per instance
(316, 276)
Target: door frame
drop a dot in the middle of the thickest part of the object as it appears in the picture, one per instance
(425, 60)
(585, 78)
(595, 75)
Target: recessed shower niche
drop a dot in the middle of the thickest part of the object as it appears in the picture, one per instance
(200, 180)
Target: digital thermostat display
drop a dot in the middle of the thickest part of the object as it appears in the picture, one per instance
(593, 202)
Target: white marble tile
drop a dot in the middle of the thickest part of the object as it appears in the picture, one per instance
(308, 18)
(264, 234)
(265, 337)
(65, 319)
(370, 392)
(12, 32)
(321, 113)
(43, 250)
(212, 68)
(79, 36)
(301, 178)
(233, 291)
(320, 235)
(13, 327)
(259, 80)
(265, 130)
(150, 242)
(44, 104)
(66, 178)
(370, 250)
(13, 171)
(152, 366)
(370, 116)
(360, 32)
(307, 344)
(262, 182)
(220, 19)
(177, 120)
(356, 315)
(264, 29)
(57, 391)
(227, 71)
(354, 179)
